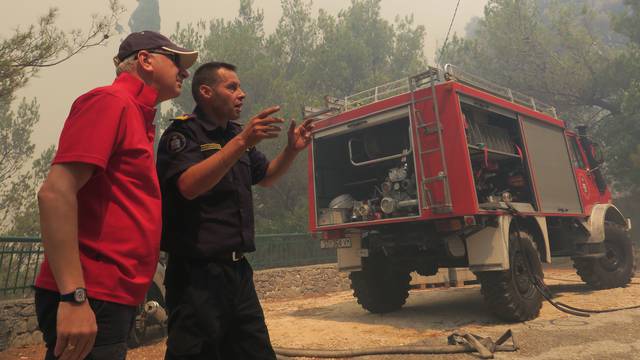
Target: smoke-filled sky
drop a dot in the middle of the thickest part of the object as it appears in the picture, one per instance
(57, 87)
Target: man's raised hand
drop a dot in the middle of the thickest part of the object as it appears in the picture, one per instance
(299, 137)
(261, 127)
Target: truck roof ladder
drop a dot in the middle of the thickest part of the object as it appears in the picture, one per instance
(429, 79)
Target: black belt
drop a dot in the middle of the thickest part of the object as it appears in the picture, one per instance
(231, 256)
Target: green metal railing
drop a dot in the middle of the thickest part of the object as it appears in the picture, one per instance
(284, 250)
(20, 258)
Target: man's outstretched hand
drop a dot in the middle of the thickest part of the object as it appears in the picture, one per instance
(261, 127)
(299, 137)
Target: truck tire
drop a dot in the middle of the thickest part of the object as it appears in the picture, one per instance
(510, 294)
(379, 287)
(616, 267)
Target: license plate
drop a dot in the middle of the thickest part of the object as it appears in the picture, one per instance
(335, 243)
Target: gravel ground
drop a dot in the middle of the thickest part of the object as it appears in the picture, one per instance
(336, 321)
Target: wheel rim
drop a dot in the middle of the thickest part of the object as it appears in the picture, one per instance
(521, 276)
(613, 257)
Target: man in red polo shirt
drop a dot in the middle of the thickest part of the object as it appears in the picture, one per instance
(100, 206)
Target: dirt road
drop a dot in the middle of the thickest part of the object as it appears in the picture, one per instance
(336, 321)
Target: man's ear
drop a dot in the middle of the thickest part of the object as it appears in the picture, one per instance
(144, 60)
(206, 92)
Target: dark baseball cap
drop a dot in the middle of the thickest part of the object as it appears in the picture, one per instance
(150, 40)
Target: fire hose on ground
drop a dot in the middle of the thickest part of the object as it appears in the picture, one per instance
(485, 347)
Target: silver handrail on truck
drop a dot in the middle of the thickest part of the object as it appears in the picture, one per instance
(450, 72)
(454, 73)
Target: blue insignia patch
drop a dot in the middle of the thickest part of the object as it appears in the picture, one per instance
(176, 142)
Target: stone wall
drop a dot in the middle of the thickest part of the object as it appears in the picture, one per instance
(18, 324)
(19, 327)
(287, 283)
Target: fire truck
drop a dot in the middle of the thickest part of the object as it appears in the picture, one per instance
(444, 170)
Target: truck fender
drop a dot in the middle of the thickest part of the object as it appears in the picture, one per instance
(488, 249)
(545, 252)
(599, 215)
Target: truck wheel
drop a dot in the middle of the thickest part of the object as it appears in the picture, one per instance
(510, 294)
(379, 287)
(616, 267)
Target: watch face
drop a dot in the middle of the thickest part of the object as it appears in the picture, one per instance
(80, 295)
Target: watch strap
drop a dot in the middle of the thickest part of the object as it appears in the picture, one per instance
(73, 296)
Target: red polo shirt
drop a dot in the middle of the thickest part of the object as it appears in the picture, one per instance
(119, 209)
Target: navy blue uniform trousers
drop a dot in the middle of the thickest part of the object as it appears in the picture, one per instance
(214, 311)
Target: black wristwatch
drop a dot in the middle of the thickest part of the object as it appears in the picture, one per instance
(78, 296)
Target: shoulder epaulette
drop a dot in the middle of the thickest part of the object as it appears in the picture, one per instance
(184, 117)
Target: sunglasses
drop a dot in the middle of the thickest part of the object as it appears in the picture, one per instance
(175, 58)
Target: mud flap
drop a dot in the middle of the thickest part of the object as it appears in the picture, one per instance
(488, 249)
(350, 259)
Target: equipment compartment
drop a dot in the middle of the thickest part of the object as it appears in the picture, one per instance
(497, 156)
(364, 170)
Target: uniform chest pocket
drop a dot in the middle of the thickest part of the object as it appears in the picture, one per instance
(240, 173)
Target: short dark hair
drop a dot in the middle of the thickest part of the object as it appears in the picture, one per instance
(207, 74)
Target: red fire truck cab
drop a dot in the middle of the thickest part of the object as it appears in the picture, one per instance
(445, 170)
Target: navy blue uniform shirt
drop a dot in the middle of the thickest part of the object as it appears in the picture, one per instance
(220, 220)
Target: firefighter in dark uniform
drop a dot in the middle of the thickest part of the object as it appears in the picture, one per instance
(207, 164)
